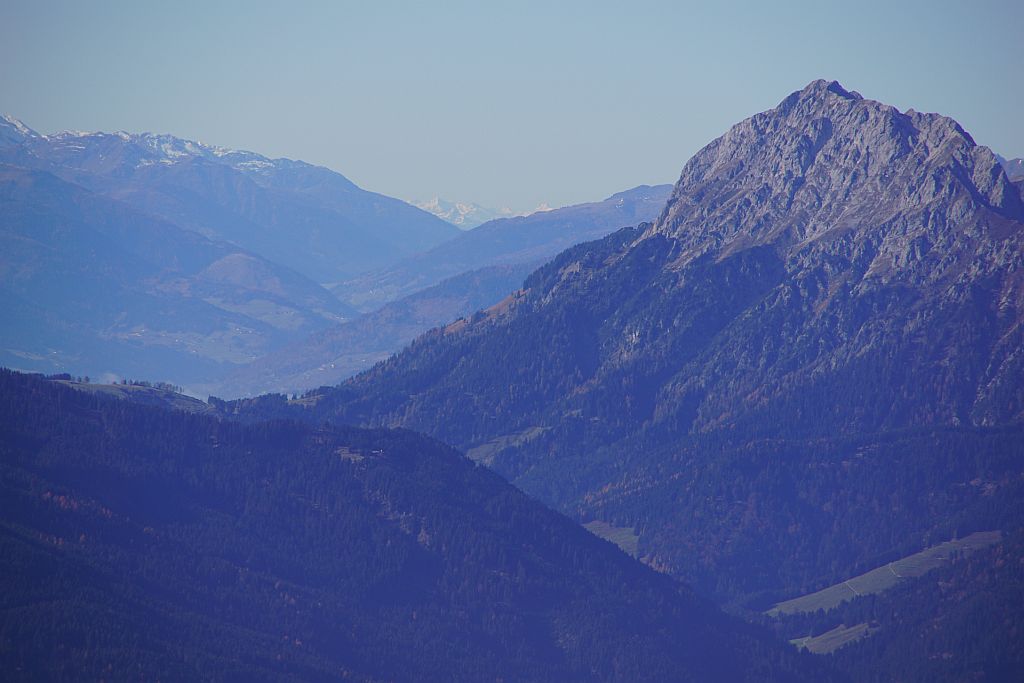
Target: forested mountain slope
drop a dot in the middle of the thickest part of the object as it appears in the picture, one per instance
(959, 622)
(144, 543)
(333, 355)
(800, 367)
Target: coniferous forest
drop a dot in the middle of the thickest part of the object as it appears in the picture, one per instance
(147, 543)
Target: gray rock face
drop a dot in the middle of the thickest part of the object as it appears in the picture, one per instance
(862, 202)
(828, 169)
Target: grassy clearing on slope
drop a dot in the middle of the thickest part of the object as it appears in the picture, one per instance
(885, 577)
(143, 395)
(624, 537)
(833, 640)
(485, 452)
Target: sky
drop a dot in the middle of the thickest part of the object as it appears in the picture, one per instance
(504, 104)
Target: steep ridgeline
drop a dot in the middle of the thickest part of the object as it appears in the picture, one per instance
(810, 361)
(306, 217)
(340, 351)
(507, 241)
(143, 543)
(92, 286)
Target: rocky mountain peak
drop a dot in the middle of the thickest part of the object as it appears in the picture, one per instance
(816, 90)
(827, 164)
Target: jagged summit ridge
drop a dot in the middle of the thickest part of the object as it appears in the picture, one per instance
(144, 149)
(822, 87)
(827, 162)
(14, 131)
(81, 149)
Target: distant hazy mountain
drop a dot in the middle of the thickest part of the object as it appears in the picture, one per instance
(465, 215)
(516, 246)
(90, 285)
(342, 350)
(140, 543)
(306, 217)
(809, 363)
(13, 131)
(526, 239)
(1014, 168)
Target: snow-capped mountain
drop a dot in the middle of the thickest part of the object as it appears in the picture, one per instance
(310, 218)
(140, 149)
(468, 215)
(13, 131)
(148, 255)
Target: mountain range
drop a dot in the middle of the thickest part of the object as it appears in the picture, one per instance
(273, 230)
(799, 366)
(92, 285)
(809, 363)
(306, 217)
(508, 250)
(152, 256)
(506, 241)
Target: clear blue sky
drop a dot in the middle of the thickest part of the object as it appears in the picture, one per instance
(505, 104)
